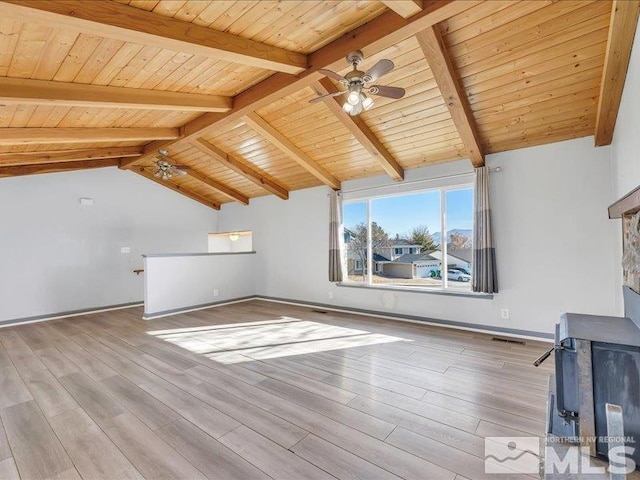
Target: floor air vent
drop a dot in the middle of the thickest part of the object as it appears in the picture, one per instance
(508, 340)
(318, 311)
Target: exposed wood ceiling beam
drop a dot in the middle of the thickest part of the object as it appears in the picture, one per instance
(260, 126)
(42, 92)
(61, 156)
(219, 187)
(360, 131)
(373, 37)
(21, 136)
(130, 24)
(18, 170)
(251, 173)
(445, 75)
(404, 8)
(177, 188)
(622, 28)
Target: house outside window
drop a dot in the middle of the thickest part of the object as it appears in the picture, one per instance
(396, 240)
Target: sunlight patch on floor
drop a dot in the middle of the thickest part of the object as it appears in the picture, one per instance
(283, 337)
(209, 328)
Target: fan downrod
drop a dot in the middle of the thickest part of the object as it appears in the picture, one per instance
(355, 58)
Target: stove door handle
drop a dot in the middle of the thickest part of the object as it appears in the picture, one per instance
(544, 356)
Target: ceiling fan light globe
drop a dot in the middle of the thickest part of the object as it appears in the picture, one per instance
(347, 107)
(367, 103)
(353, 98)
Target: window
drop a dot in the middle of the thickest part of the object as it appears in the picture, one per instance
(425, 258)
(355, 236)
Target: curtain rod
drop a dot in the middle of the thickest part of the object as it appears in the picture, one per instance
(495, 169)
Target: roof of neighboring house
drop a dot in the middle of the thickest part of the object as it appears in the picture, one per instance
(414, 257)
(398, 241)
(380, 258)
(462, 253)
(401, 242)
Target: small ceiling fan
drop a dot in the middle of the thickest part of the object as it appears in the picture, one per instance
(166, 170)
(358, 82)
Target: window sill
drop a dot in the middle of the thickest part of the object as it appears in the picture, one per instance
(452, 293)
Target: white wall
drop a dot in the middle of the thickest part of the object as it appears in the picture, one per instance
(551, 228)
(173, 283)
(625, 148)
(58, 255)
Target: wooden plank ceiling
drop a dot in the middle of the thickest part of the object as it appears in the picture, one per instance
(225, 86)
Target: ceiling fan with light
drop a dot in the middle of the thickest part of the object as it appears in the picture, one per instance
(166, 170)
(358, 82)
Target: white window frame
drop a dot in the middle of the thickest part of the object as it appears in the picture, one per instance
(443, 228)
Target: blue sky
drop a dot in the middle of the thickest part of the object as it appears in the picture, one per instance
(400, 214)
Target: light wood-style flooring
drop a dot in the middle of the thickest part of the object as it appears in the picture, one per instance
(259, 390)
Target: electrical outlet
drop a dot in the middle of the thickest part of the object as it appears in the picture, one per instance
(330, 295)
(505, 314)
(215, 292)
(125, 249)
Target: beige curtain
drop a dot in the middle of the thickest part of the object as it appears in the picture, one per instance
(485, 276)
(335, 237)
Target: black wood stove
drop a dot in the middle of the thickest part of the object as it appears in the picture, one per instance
(597, 361)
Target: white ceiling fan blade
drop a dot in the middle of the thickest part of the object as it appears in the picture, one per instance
(385, 91)
(334, 75)
(381, 68)
(322, 97)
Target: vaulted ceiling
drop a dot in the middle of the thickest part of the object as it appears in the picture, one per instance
(225, 86)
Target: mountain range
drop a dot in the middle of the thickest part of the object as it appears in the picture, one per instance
(458, 231)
